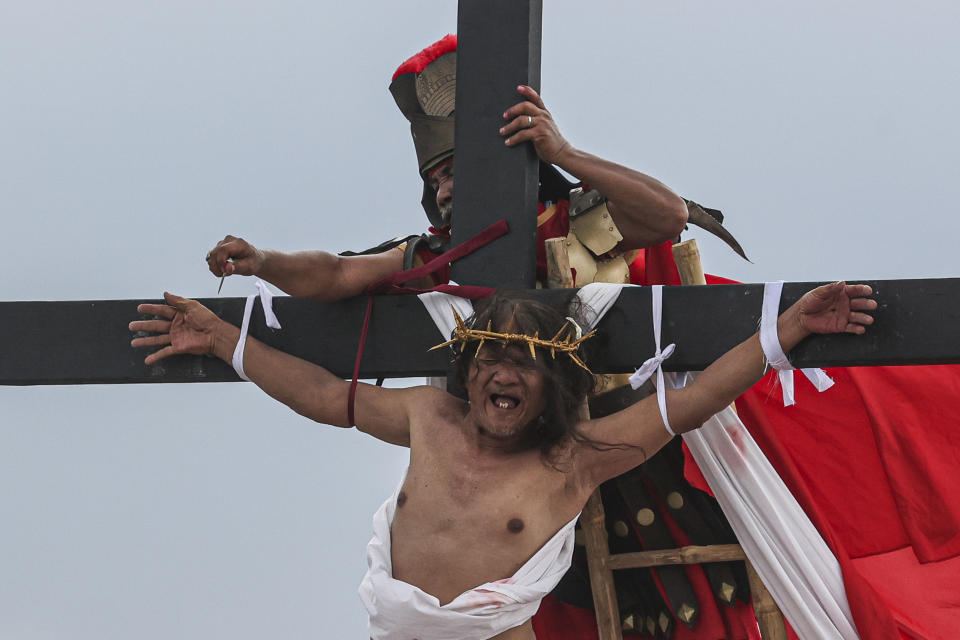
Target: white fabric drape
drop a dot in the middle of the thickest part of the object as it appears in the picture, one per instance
(787, 551)
(401, 611)
(791, 558)
(596, 299)
(438, 305)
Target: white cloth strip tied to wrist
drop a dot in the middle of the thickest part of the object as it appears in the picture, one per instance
(266, 300)
(773, 352)
(655, 364)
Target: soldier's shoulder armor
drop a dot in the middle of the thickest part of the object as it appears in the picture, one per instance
(433, 243)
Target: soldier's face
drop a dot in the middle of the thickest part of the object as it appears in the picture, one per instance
(440, 179)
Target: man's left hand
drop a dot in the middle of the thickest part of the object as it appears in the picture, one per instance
(836, 308)
(530, 121)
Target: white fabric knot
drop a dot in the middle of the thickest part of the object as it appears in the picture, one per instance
(597, 298)
(650, 366)
(770, 342)
(655, 364)
(266, 300)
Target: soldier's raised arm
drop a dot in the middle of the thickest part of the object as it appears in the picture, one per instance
(646, 211)
(305, 274)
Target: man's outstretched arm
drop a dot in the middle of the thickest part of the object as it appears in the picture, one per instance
(646, 211)
(187, 327)
(304, 274)
(833, 308)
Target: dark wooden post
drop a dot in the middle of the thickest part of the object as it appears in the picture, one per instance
(498, 49)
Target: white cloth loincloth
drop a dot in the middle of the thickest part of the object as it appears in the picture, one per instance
(401, 611)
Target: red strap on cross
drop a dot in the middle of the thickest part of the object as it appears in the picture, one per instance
(392, 285)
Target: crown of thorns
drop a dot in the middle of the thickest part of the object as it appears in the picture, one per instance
(568, 344)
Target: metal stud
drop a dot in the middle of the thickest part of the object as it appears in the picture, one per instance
(645, 517)
(686, 613)
(664, 621)
(727, 591)
(651, 625)
(675, 500)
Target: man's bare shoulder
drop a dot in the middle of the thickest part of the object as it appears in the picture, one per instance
(430, 404)
(435, 395)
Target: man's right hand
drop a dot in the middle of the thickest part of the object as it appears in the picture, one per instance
(234, 255)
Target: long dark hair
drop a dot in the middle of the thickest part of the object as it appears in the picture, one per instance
(566, 384)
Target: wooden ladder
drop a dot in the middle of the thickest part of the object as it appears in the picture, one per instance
(601, 564)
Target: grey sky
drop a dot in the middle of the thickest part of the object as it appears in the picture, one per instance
(133, 136)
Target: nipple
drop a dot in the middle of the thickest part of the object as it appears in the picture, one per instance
(515, 525)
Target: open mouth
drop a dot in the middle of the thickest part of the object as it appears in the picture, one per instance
(506, 402)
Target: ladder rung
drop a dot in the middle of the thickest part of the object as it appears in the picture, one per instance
(684, 555)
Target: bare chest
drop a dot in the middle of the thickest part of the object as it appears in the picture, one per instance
(460, 523)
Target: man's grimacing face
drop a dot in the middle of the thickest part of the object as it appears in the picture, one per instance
(440, 179)
(506, 390)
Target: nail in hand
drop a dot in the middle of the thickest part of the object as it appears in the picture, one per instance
(223, 277)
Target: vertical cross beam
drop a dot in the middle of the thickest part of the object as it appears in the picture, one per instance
(498, 48)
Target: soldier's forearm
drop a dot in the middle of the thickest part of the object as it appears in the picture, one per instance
(324, 276)
(646, 211)
(303, 274)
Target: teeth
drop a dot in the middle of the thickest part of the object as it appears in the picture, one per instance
(503, 404)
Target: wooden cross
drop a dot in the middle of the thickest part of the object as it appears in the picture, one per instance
(81, 342)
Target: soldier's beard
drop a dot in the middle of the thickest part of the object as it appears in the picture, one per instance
(446, 214)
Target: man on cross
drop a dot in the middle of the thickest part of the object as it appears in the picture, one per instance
(618, 223)
(481, 527)
(642, 211)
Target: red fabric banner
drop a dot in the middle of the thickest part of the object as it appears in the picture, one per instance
(875, 463)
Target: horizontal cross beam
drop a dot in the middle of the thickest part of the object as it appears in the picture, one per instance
(917, 322)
